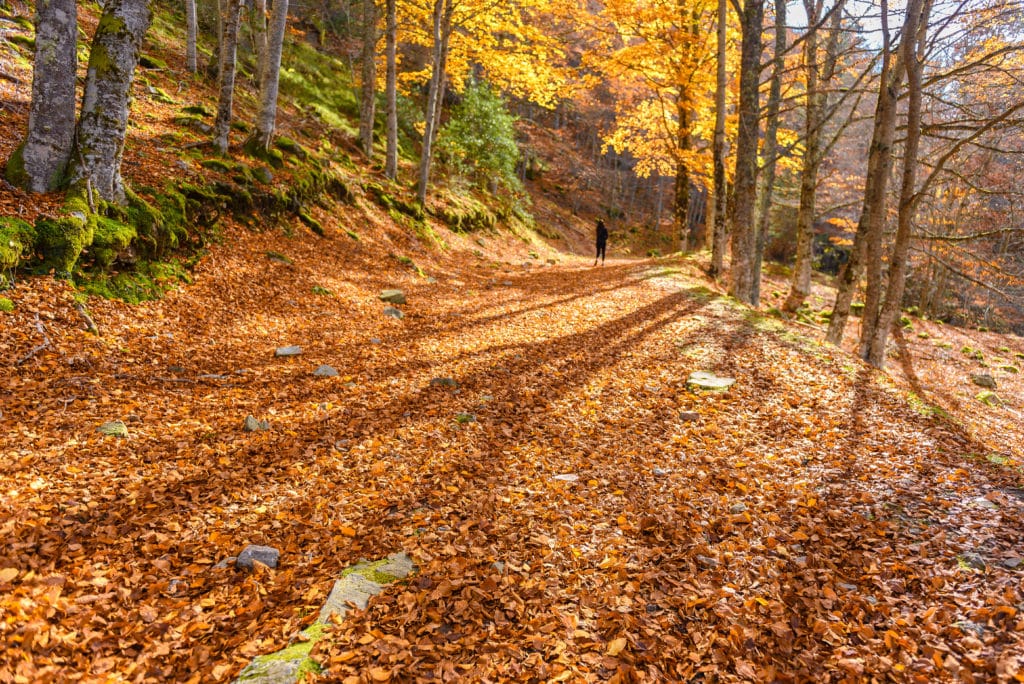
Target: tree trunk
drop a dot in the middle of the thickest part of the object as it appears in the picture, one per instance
(40, 162)
(441, 25)
(367, 111)
(718, 150)
(874, 339)
(228, 63)
(391, 87)
(742, 267)
(266, 121)
(872, 214)
(101, 128)
(770, 147)
(259, 36)
(192, 36)
(681, 206)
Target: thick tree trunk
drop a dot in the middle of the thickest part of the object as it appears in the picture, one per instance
(718, 150)
(266, 121)
(742, 273)
(770, 149)
(40, 162)
(368, 109)
(228, 64)
(104, 119)
(391, 87)
(191, 36)
(872, 215)
(874, 339)
(441, 25)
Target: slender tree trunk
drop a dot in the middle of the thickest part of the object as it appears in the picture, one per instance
(914, 33)
(872, 214)
(266, 120)
(214, 67)
(718, 150)
(40, 162)
(367, 111)
(441, 22)
(391, 87)
(192, 35)
(770, 147)
(104, 119)
(228, 63)
(259, 34)
(744, 245)
(681, 207)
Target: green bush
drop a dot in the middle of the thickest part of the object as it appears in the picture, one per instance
(479, 139)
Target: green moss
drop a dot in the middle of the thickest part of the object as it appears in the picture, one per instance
(319, 290)
(219, 165)
(311, 222)
(192, 121)
(321, 83)
(371, 571)
(394, 204)
(111, 238)
(286, 144)
(61, 240)
(277, 256)
(15, 168)
(160, 95)
(198, 110)
(989, 398)
(149, 280)
(353, 235)
(6, 305)
(151, 62)
(16, 237)
(26, 42)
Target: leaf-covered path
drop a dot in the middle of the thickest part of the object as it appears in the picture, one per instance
(805, 524)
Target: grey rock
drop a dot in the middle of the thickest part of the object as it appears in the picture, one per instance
(661, 472)
(263, 174)
(688, 416)
(253, 425)
(115, 428)
(271, 671)
(431, 280)
(983, 380)
(738, 507)
(394, 313)
(443, 382)
(293, 350)
(972, 560)
(710, 381)
(392, 296)
(254, 553)
(1012, 563)
(375, 340)
(507, 283)
(707, 562)
(325, 371)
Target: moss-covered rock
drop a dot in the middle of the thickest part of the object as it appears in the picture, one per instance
(151, 62)
(14, 171)
(61, 239)
(6, 305)
(110, 239)
(311, 222)
(16, 238)
(393, 203)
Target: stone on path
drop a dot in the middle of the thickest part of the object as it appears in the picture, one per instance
(688, 416)
(567, 477)
(394, 313)
(253, 425)
(254, 553)
(293, 350)
(392, 296)
(443, 382)
(972, 560)
(983, 380)
(710, 381)
(325, 371)
(115, 428)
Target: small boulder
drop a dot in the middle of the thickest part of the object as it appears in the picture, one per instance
(293, 350)
(983, 380)
(253, 425)
(972, 560)
(115, 428)
(465, 418)
(443, 382)
(254, 553)
(325, 371)
(688, 416)
(376, 340)
(394, 313)
(393, 296)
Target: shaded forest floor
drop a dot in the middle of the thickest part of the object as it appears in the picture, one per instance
(810, 522)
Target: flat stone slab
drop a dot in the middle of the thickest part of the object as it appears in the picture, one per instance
(443, 382)
(293, 350)
(710, 381)
(983, 380)
(393, 296)
(115, 428)
(325, 371)
(394, 313)
(253, 425)
(356, 585)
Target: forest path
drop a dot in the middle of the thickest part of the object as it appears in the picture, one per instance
(578, 523)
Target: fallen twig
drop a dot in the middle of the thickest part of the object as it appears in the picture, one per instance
(38, 348)
(90, 325)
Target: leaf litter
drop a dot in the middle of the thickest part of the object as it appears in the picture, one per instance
(810, 524)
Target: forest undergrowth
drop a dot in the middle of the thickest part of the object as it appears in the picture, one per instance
(577, 513)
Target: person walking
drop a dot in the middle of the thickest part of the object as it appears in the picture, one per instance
(602, 241)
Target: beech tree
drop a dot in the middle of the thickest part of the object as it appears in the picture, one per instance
(368, 106)
(718, 149)
(266, 120)
(40, 162)
(191, 36)
(391, 89)
(226, 75)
